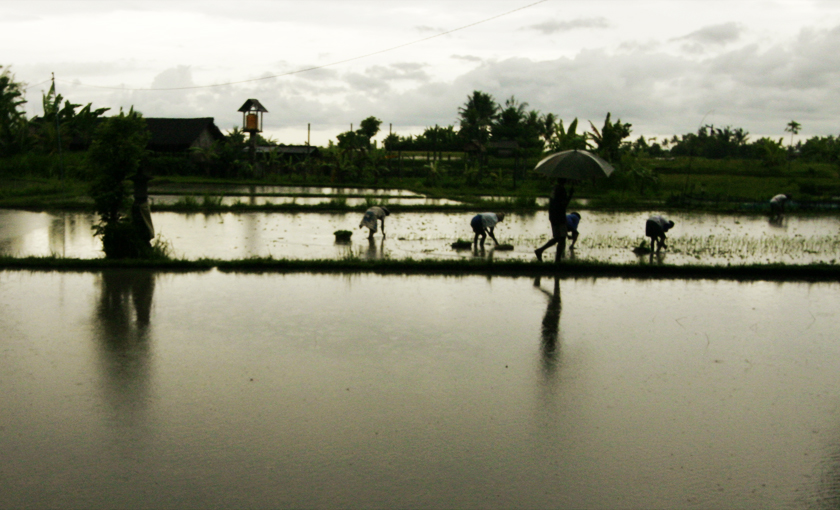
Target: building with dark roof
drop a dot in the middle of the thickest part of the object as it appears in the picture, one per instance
(180, 135)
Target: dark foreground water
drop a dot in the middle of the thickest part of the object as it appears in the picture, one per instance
(131, 389)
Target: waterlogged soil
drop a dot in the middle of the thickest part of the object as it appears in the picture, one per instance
(258, 200)
(130, 389)
(222, 189)
(604, 236)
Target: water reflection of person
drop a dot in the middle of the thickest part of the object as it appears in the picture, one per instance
(372, 252)
(550, 331)
(123, 338)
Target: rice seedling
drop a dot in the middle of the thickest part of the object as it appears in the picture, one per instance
(776, 248)
(342, 236)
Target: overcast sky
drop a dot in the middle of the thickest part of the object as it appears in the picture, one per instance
(664, 66)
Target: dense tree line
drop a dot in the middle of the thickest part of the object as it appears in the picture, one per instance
(482, 123)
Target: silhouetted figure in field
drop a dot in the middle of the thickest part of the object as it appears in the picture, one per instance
(371, 217)
(558, 202)
(655, 229)
(777, 205)
(483, 225)
(572, 222)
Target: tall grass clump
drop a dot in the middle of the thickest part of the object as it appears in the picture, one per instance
(372, 200)
(339, 201)
(211, 201)
(187, 202)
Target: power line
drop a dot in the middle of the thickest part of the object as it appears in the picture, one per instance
(313, 68)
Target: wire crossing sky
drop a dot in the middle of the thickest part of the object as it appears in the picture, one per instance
(664, 66)
(332, 64)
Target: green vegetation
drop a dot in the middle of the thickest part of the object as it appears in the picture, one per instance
(492, 151)
(115, 154)
(343, 235)
(73, 157)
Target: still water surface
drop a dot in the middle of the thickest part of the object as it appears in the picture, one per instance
(605, 236)
(131, 389)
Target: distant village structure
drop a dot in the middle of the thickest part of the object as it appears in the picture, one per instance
(181, 135)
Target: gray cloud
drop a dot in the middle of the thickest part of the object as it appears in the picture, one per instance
(758, 89)
(551, 27)
(176, 77)
(467, 58)
(715, 36)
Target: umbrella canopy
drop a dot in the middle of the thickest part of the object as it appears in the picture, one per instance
(574, 164)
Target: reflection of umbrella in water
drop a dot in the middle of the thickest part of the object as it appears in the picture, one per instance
(574, 164)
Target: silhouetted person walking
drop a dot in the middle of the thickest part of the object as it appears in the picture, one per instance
(557, 204)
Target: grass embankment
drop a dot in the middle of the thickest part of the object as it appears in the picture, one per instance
(683, 184)
(568, 269)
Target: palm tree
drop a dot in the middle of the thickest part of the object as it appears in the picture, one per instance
(793, 128)
(12, 117)
(477, 115)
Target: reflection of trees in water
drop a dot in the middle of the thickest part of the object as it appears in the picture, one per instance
(550, 331)
(121, 321)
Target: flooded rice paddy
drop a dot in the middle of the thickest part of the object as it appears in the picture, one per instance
(605, 236)
(134, 389)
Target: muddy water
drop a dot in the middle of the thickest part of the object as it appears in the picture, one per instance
(705, 238)
(202, 188)
(274, 200)
(129, 390)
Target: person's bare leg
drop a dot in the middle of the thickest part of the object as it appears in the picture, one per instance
(539, 251)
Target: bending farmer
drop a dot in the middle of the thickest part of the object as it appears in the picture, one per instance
(371, 216)
(483, 224)
(777, 204)
(655, 228)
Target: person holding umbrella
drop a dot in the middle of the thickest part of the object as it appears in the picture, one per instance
(483, 224)
(560, 222)
(572, 165)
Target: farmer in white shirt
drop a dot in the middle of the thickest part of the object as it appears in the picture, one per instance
(483, 224)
